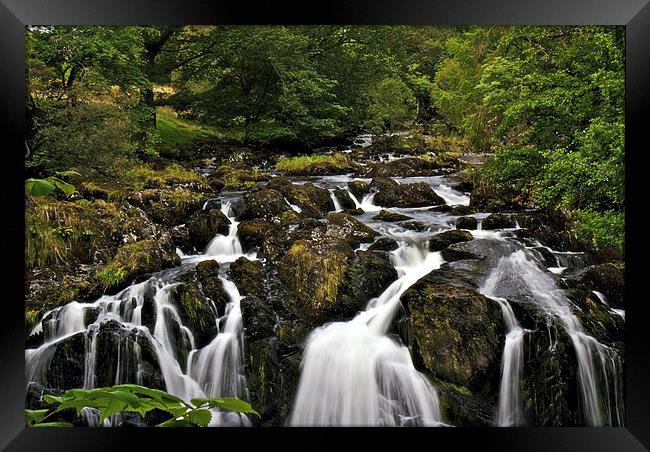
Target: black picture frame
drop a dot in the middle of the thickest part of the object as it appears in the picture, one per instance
(15, 14)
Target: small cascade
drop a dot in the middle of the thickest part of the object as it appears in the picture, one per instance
(357, 204)
(215, 370)
(337, 204)
(599, 366)
(353, 374)
(367, 203)
(294, 207)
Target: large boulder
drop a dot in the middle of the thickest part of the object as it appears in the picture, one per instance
(405, 167)
(458, 334)
(344, 199)
(312, 200)
(253, 233)
(344, 226)
(444, 239)
(169, 206)
(134, 260)
(384, 244)
(248, 277)
(374, 273)
(469, 223)
(392, 194)
(196, 312)
(204, 225)
(498, 221)
(607, 279)
(266, 204)
(358, 188)
(207, 274)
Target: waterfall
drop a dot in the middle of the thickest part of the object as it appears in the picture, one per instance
(599, 366)
(337, 204)
(294, 207)
(367, 203)
(215, 370)
(353, 374)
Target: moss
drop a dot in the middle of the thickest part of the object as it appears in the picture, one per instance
(336, 162)
(240, 178)
(145, 176)
(315, 278)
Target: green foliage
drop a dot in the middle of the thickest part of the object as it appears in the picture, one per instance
(45, 187)
(306, 162)
(391, 104)
(600, 229)
(136, 399)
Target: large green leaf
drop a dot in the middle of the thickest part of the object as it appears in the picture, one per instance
(65, 187)
(53, 424)
(33, 416)
(227, 403)
(39, 187)
(199, 417)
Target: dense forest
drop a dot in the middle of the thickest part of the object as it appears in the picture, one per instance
(146, 145)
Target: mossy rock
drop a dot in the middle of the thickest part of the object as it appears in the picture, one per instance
(248, 276)
(498, 221)
(196, 312)
(204, 225)
(384, 244)
(385, 215)
(265, 204)
(375, 274)
(169, 206)
(605, 278)
(442, 240)
(133, 260)
(253, 233)
(470, 223)
(358, 188)
(392, 194)
(207, 274)
(458, 334)
(344, 199)
(348, 228)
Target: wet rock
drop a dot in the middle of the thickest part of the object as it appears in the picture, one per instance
(491, 250)
(313, 201)
(488, 199)
(596, 318)
(605, 278)
(169, 206)
(65, 369)
(354, 211)
(354, 232)
(207, 273)
(464, 186)
(248, 277)
(386, 215)
(196, 312)
(374, 273)
(405, 167)
(259, 318)
(458, 334)
(253, 233)
(358, 188)
(392, 194)
(265, 204)
(444, 239)
(498, 221)
(415, 226)
(469, 223)
(384, 244)
(133, 260)
(344, 199)
(204, 225)
(180, 237)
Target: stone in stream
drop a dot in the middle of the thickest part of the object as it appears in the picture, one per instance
(470, 223)
(358, 188)
(392, 194)
(196, 312)
(458, 334)
(252, 233)
(204, 225)
(444, 239)
(384, 244)
(265, 204)
(344, 199)
(605, 278)
(207, 273)
(313, 201)
(247, 276)
(498, 221)
(385, 215)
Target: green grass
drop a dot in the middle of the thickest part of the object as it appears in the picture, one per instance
(177, 133)
(304, 162)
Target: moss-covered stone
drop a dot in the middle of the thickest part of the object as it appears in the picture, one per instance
(344, 199)
(458, 334)
(375, 273)
(358, 188)
(605, 278)
(498, 221)
(444, 239)
(203, 225)
(384, 244)
(196, 312)
(385, 215)
(405, 167)
(466, 223)
(132, 260)
(348, 228)
(265, 204)
(253, 233)
(169, 206)
(392, 194)
(248, 276)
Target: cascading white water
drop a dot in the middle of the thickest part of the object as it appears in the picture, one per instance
(213, 371)
(353, 374)
(294, 207)
(598, 378)
(337, 204)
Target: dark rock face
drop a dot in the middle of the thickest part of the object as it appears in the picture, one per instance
(458, 334)
(252, 233)
(344, 199)
(605, 278)
(375, 273)
(207, 273)
(488, 200)
(314, 201)
(596, 318)
(405, 167)
(466, 223)
(259, 318)
(248, 277)
(354, 232)
(266, 204)
(358, 188)
(170, 206)
(498, 221)
(385, 215)
(444, 239)
(204, 225)
(392, 194)
(384, 244)
(196, 312)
